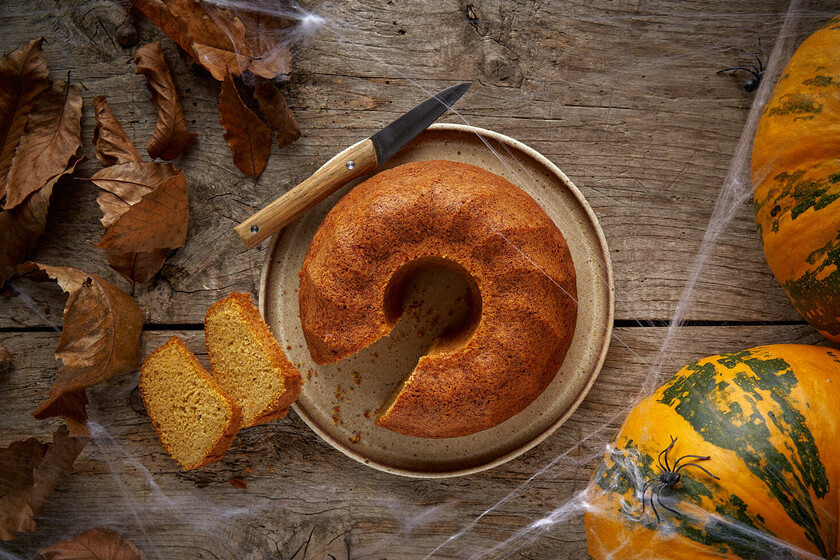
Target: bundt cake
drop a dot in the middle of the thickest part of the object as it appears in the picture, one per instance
(248, 362)
(442, 213)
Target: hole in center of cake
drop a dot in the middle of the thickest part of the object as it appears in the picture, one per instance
(439, 297)
(431, 304)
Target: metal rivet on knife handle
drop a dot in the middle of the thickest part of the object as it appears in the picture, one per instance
(329, 178)
(357, 160)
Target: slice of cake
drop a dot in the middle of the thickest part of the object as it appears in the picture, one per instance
(195, 420)
(248, 362)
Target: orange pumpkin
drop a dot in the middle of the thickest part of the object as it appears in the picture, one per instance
(764, 425)
(796, 175)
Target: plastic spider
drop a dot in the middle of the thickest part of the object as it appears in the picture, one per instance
(668, 479)
(757, 71)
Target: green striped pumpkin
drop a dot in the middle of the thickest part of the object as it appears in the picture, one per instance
(796, 175)
(769, 419)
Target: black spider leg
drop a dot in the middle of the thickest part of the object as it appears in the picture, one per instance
(659, 499)
(699, 467)
(659, 460)
(763, 50)
(665, 452)
(644, 491)
(746, 68)
(758, 59)
(760, 68)
(652, 504)
(700, 457)
(673, 441)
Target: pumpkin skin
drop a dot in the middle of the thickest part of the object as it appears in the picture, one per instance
(796, 174)
(769, 418)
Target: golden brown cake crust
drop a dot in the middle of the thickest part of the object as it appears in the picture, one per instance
(291, 376)
(222, 444)
(515, 255)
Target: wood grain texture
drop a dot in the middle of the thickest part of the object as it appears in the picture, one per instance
(303, 498)
(621, 95)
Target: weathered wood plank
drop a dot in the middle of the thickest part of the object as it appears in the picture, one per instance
(623, 97)
(304, 500)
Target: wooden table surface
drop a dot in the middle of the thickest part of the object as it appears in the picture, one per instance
(621, 95)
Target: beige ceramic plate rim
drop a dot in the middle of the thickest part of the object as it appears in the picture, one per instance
(604, 256)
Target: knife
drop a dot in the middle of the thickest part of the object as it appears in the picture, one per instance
(357, 160)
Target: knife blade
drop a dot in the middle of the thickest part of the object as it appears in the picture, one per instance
(357, 160)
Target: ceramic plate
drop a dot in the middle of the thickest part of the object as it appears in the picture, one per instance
(339, 401)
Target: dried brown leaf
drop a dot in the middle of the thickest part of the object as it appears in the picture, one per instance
(21, 226)
(40, 134)
(23, 78)
(138, 242)
(248, 137)
(276, 112)
(218, 37)
(266, 34)
(137, 266)
(31, 471)
(125, 184)
(95, 544)
(145, 212)
(100, 339)
(223, 40)
(109, 138)
(158, 221)
(159, 13)
(212, 36)
(171, 136)
(51, 138)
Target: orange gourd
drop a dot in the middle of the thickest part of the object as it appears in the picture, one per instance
(768, 419)
(796, 174)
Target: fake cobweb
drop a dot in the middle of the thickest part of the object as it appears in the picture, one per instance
(535, 509)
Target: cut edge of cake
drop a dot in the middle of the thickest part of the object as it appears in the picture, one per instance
(256, 409)
(219, 446)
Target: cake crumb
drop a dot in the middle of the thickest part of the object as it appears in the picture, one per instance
(356, 438)
(270, 468)
(238, 483)
(357, 379)
(367, 414)
(340, 394)
(249, 469)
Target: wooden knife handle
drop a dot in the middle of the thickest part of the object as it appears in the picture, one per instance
(350, 164)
